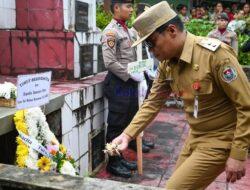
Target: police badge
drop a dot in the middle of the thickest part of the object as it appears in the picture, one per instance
(111, 42)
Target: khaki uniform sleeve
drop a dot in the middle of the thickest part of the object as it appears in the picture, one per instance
(109, 49)
(232, 79)
(160, 91)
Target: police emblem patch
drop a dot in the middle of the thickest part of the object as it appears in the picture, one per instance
(111, 42)
(229, 74)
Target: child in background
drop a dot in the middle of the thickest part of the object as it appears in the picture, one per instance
(223, 34)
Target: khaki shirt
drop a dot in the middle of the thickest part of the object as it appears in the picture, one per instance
(117, 50)
(228, 37)
(223, 96)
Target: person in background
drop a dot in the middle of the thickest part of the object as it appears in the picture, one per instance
(218, 10)
(234, 8)
(246, 9)
(204, 13)
(238, 24)
(182, 12)
(239, 15)
(229, 14)
(198, 12)
(223, 34)
(120, 88)
(246, 17)
(193, 13)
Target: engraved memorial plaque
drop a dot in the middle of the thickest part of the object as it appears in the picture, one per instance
(97, 145)
(82, 16)
(101, 66)
(86, 60)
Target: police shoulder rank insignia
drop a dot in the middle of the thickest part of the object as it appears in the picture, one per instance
(210, 44)
(229, 74)
(111, 42)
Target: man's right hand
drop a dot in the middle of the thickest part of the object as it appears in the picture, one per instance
(122, 141)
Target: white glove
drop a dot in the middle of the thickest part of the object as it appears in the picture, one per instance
(138, 77)
(151, 74)
(142, 89)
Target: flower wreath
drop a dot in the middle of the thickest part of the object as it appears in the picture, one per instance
(34, 130)
(8, 90)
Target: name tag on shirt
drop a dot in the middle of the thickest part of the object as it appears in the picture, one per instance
(196, 107)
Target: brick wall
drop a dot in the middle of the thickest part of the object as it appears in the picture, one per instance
(26, 52)
(37, 36)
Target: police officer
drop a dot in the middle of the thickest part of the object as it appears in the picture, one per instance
(223, 34)
(206, 74)
(120, 88)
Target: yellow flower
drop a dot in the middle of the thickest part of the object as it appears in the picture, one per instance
(63, 149)
(19, 141)
(19, 116)
(44, 164)
(22, 150)
(22, 127)
(19, 119)
(21, 161)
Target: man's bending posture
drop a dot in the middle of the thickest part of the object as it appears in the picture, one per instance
(216, 93)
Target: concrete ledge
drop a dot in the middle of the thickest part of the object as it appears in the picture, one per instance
(14, 177)
(11, 176)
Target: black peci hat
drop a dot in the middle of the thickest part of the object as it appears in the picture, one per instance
(223, 16)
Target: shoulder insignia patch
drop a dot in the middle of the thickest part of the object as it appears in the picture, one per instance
(229, 74)
(111, 42)
(210, 44)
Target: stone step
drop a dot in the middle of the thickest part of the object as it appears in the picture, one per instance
(17, 178)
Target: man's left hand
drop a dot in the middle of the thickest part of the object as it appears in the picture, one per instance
(235, 169)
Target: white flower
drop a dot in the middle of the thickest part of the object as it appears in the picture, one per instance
(32, 127)
(31, 163)
(6, 89)
(33, 153)
(67, 169)
(34, 113)
(53, 165)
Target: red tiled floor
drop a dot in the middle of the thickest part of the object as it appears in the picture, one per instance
(168, 130)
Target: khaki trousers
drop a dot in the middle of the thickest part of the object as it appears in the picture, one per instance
(196, 169)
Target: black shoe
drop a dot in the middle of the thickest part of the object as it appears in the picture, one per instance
(129, 165)
(132, 145)
(149, 144)
(117, 169)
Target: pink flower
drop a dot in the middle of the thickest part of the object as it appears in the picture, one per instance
(53, 149)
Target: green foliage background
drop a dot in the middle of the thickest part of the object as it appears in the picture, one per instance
(195, 26)
(203, 27)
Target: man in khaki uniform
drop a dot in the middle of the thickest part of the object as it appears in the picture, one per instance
(206, 74)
